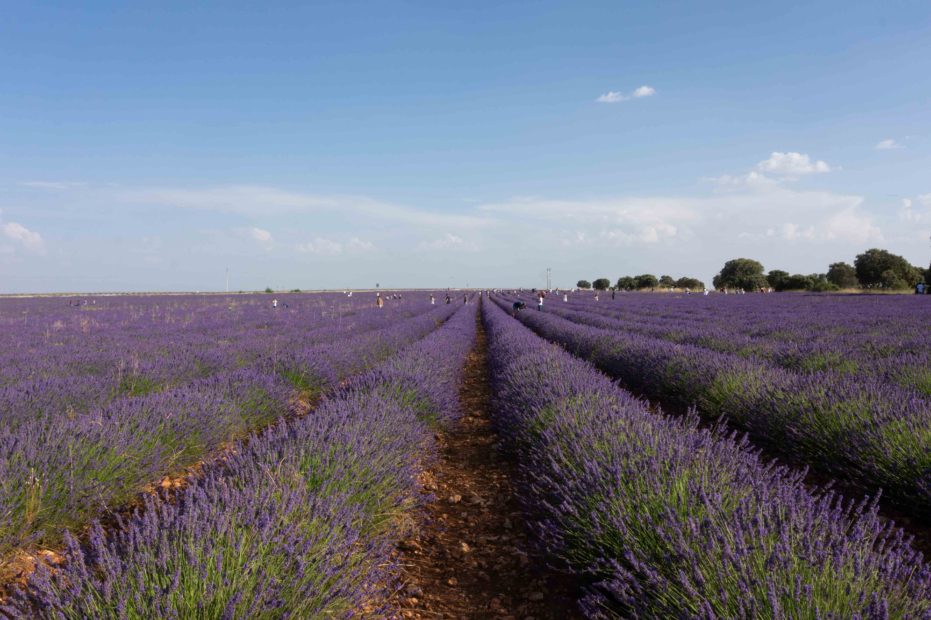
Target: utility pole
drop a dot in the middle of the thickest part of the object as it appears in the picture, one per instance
(549, 283)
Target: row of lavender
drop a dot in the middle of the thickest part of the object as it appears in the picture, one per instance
(61, 466)
(859, 429)
(664, 519)
(299, 522)
(867, 336)
(54, 354)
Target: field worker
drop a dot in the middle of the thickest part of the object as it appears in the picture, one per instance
(518, 306)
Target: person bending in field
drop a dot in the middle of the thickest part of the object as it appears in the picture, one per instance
(518, 306)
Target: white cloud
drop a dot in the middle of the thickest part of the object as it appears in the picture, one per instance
(613, 96)
(717, 221)
(622, 221)
(260, 235)
(644, 91)
(848, 225)
(256, 201)
(358, 245)
(645, 234)
(792, 164)
(28, 239)
(792, 232)
(54, 185)
(449, 241)
(753, 180)
(887, 145)
(915, 214)
(323, 246)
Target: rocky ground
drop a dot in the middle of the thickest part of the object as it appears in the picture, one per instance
(470, 556)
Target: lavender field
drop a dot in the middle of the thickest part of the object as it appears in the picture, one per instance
(671, 456)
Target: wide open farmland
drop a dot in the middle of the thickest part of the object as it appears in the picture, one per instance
(652, 456)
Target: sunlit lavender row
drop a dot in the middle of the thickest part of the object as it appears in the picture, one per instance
(296, 522)
(104, 399)
(659, 518)
(877, 336)
(870, 428)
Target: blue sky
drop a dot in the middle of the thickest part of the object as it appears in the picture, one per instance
(416, 144)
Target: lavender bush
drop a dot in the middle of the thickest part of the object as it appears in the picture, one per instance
(64, 459)
(668, 520)
(296, 523)
(858, 428)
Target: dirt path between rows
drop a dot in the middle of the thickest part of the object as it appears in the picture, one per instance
(470, 556)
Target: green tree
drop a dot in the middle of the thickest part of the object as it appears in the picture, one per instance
(601, 284)
(268, 289)
(891, 279)
(626, 283)
(742, 273)
(646, 280)
(821, 284)
(667, 281)
(583, 284)
(842, 275)
(777, 279)
(881, 269)
(796, 282)
(690, 283)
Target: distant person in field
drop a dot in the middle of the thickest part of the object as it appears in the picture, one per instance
(612, 293)
(379, 301)
(449, 299)
(565, 297)
(517, 306)
(540, 301)
(432, 300)
(920, 288)
(274, 303)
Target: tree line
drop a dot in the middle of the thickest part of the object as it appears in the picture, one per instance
(641, 282)
(873, 269)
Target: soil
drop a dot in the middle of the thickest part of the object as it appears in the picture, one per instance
(471, 555)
